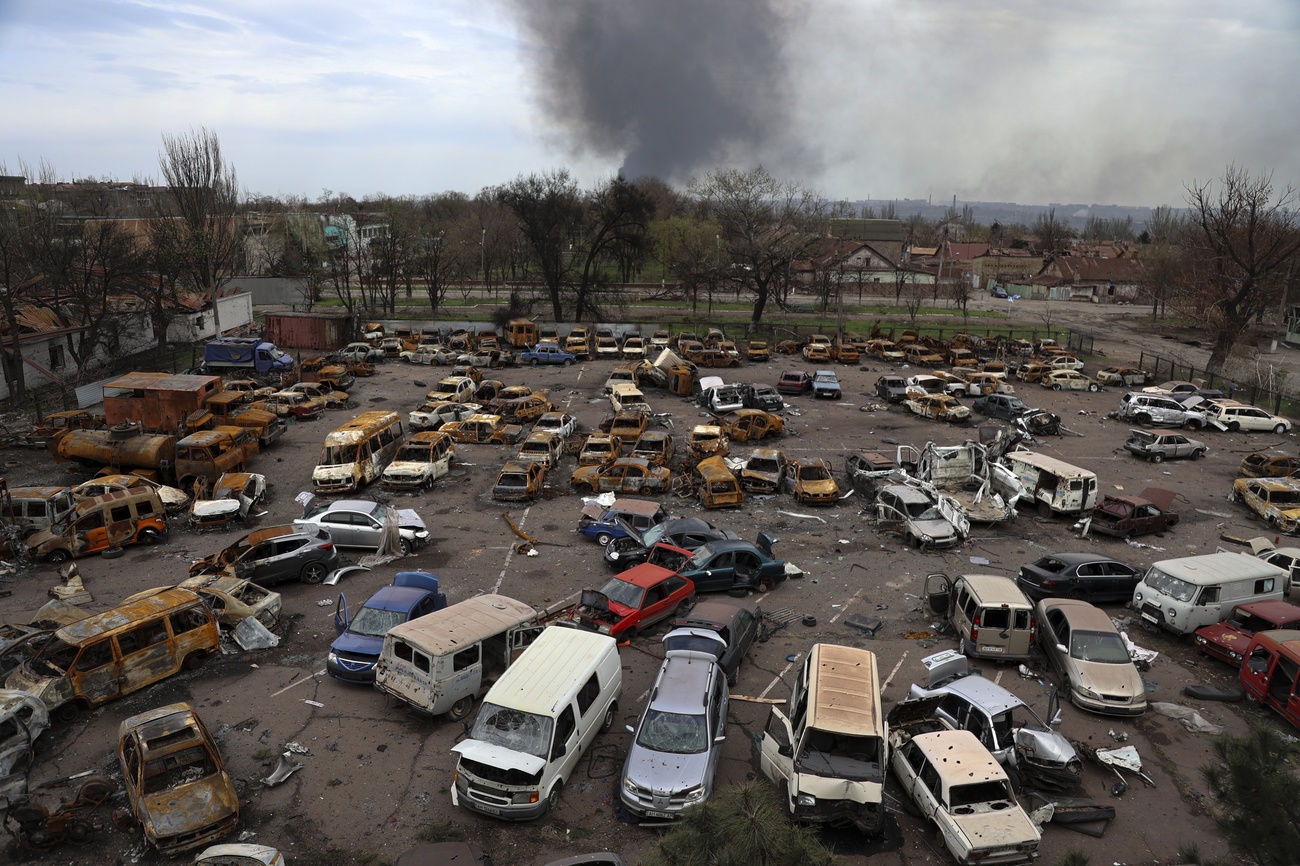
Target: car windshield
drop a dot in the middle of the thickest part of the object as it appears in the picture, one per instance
(980, 792)
(375, 622)
(840, 756)
(1104, 648)
(513, 729)
(1178, 590)
(513, 479)
(765, 464)
(674, 733)
(337, 455)
(624, 593)
(702, 556)
(814, 473)
(687, 642)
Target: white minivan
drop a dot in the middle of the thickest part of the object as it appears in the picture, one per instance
(536, 723)
(1181, 595)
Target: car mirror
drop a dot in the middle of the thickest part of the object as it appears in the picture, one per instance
(629, 729)
(1056, 720)
(785, 751)
(1060, 648)
(719, 738)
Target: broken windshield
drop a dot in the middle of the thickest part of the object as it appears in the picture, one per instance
(840, 756)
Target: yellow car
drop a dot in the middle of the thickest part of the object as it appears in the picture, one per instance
(1068, 380)
(939, 407)
(1276, 500)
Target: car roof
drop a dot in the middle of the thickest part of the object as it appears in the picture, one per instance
(983, 693)
(1080, 558)
(1081, 614)
(995, 589)
(1272, 609)
(645, 575)
(396, 597)
(683, 684)
(718, 611)
(959, 757)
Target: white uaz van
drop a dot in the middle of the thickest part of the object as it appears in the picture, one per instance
(1181, 595)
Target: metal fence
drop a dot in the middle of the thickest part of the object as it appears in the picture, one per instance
(1079, 342)
(1162, 369)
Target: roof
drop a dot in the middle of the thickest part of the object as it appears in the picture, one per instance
(1051, 464)
(396, 597)
(959, 752)
(995, 589)
(1082, 615)
(127, 614)
(1213, 567)
(645, 575)
(462, 624)
(543, 678)
(717, 610)
(984, 693)
(683, 684)
(1285, 637)
(847, 697)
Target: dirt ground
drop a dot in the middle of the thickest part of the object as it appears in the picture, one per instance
(376, 776)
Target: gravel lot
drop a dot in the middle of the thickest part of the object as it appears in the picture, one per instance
(376, 775)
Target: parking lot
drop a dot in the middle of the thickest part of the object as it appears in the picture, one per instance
(375, 775)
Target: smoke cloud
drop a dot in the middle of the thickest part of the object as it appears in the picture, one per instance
(673, 86)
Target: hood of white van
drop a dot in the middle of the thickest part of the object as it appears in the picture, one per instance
(501, 758)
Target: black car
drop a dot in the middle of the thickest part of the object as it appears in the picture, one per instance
(764, 397)
(736, 620)
(1000, 406)
(891, 389)
(1079, 575)
(688, 533)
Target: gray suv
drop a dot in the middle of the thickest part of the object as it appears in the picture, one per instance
(678, 739)
(275, 554)
(1159, 410)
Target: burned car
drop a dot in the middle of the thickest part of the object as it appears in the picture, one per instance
(750, 425)
(1126, 516)
(927, 518)
(867, 471)
(624, 475)
(809, 479)
(1121, 376)
(1032, 750)
(232, 599)
(275, 554)
(938, 407)
(235, 496)
(764, 472)
(483, 429)
(23, 718)
(707, 440)
(519, 481)
(1261, 464)
(176, 781)
(1276, 500)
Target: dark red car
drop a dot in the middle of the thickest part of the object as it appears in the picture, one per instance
(794, 382)
(1126, 516)
(633, 601)
(1227, 640)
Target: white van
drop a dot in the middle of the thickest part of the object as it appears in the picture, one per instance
(1058, 487)
(1181, 595)
(627, 396)
(441, 662)
(828, 755)
(536, 723)
(35, 508)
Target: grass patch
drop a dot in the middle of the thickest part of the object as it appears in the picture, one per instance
(263, 754)
(441, 831)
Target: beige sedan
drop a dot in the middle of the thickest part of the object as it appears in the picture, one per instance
(1086, 649)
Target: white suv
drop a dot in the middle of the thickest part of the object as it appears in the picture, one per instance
(1231, 415)
(1155, 409)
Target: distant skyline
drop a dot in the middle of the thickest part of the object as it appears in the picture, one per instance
(1108, 102)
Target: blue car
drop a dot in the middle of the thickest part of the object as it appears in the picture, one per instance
(604, 524)
(355, 651)
(999, 292)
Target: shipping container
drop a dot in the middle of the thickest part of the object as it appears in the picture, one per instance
(326, 331)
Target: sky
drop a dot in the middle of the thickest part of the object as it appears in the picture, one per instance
(1031, 101)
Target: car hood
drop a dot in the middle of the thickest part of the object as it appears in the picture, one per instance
(207, 508)
(190, 807)
(407, 467)
(824, 487)
(1105, 679)
(989, 829)
(361, 644)
(499, 757)
(1224, 634)
(407, 518)
(934, 528)
(665, 773)
(331, 473)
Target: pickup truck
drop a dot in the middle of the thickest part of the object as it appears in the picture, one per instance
(544, 353)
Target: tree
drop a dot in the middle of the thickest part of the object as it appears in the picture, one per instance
(1053, 235)
(204, 197)
(689, 250)
(767, 224)
(1258, 794)
(548, 208)
(23, 224)
(740, 826)
(616, 215)
(1243, 240)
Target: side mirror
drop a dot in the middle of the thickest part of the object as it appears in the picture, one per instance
(785, 751)
(630, 729)
(719, 738)
(1056, 720)
(1062, 649)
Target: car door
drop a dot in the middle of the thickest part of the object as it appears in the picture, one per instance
(776, 754)
(1056, 633)
(1117, 580)
(339, 524)
(366, 530)
(718, 574)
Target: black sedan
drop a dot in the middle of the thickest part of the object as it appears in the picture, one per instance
(687, 533)
(721, 566)
(1079, 575)
(735, 620)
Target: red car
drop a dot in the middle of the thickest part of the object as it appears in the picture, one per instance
(1227, 641)
(794, 382)
(633, 601)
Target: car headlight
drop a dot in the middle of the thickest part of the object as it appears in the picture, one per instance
(1137, 596)
(603, 629)
(806, 800)
(629, 785)
(613, 554)
(693, 795)
(1172, 613)
(422, 535)
(332, 658)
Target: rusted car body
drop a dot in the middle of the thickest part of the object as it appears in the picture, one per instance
(708, 440)
(209, 454)
(751, 425)
(519, 481)
(232, 409)
(176, 781)
(157, 401)
(599, 449)
(114, 519)
(149, 454)
(718, 487)
(56, 423)
(1126, 516)
(112, 654)
(483, 429)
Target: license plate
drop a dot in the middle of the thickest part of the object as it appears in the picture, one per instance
(491, 810)
(992, 649)
(1149, 618)
(650, 813)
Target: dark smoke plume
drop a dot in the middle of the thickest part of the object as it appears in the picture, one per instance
(675, 86)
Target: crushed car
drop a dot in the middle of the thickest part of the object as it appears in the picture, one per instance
(235, 496)
(1127, 516)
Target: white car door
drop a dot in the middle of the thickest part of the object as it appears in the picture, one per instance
(776, 754)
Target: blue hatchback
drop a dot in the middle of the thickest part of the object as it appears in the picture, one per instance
(355, 651)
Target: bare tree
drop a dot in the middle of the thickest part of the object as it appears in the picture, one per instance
(767, 224)
(913, 298)
(204, 195)
(1053, 235)
(1164, 225)
(1243, 244)
(548, 208)
(22, 225)
(615, 219)
(689, 250)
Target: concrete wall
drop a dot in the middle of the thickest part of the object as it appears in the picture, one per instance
(273, 291)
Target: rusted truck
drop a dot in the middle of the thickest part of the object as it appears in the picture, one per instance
(231, 409)
(208, 454)
(158, 402)
(160, 457)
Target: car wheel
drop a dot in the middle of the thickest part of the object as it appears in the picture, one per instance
(964, 647)
(764, 586)
(194, 661)
(1078, 594)
(1233, 427)
(1142, 418)
(1093, 386)
(57, 556)
(313, 572)
(604, 539)
(461, 708)
(536, 362)
(609, 718)
(1044, 510)
(629, 634)
(147, 536)
(68, 713)
(553, 798)
(1198, 453)
(404, 547)
(568, 362)
(1056, 386)
(1279, 429)
(1157, 457)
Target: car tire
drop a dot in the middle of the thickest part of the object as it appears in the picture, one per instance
(764, 587)
(609, 718)
(57, 556)
(963, 647)
(461, 708)
(1157, 457)
(568, 362)
(536, 362)
(1056, 386)
(1093, 386)
(604, 538)
(1279, 429)
(313, 572)
(1142, 418)
(1234, 427)
(1077, 594)
(553, 798)
(148, 536)
(404, 547)
(67, 713)
(1198, 453)
(194, 661)
(1044, 510)
(629, 635)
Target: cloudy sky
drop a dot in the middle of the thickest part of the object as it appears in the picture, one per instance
(1033, 101)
